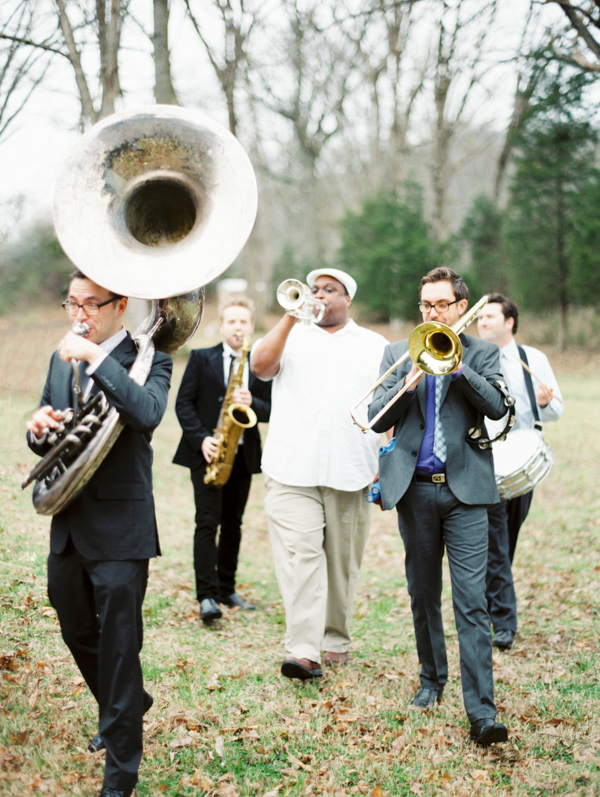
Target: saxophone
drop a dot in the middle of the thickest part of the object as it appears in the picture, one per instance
(233, 419)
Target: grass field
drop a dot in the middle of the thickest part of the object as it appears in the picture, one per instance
(225, 723)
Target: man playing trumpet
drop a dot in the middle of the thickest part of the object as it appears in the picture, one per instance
(317, 468)
(441, 483)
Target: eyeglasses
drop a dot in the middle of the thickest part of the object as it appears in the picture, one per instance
(441, 307)
(89, 308)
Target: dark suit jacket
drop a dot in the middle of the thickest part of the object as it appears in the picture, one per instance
(199, 404)
(469, 470)
(113, 517)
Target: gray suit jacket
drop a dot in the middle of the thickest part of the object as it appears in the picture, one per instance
(465, 400)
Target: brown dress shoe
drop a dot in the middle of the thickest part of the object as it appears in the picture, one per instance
(304, 669)
(333, 659)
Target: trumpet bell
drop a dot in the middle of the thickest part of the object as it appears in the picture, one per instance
(291, 294)
(435, 348)
(155, 202)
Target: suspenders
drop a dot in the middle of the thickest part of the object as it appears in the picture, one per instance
(529, 383)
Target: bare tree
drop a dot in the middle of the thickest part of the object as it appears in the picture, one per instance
(107, 20)
(394, 86)
(307, 83)
(164, 91)
(230, 59)
(462, 30)
(584, 22)
(22, 66)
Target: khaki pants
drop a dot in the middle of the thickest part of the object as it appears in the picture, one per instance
(318, 537)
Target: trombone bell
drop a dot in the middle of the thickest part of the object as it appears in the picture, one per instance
(435, 348)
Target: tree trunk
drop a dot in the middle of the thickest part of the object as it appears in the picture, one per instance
(164, 91)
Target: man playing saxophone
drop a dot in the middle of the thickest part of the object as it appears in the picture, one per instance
(221, 462)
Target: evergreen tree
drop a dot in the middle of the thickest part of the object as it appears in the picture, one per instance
(481, 234)
(556, 147)
(387, 247)
(584, 244)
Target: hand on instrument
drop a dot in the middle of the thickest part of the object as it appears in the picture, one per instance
(543, 394)
(210, 448)
(414, 372)
(43, 420)
(76, 347)
(242, 396)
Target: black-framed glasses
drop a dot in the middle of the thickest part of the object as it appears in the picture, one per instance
(441, 307)
(89, 308)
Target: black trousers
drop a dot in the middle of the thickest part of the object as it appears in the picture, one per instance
(431, 519)
(99, 607)
(505, 520)
(215, 564)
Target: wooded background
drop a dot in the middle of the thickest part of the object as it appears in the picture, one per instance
(388, 136)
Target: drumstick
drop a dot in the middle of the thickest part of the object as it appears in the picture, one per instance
(527, 368)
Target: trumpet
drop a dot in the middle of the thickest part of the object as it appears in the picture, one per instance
(434, 348)
(297, 300)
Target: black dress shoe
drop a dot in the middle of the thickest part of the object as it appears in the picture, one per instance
(106, 792)
(426, 698)
(209, 611)
(487, 731)
(234, 600)
(303, 669)
(503, 639)
(97, 743)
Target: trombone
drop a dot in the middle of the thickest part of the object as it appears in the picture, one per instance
(434, 348)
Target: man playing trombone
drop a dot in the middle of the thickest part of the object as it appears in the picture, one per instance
(441, 482)
(534, 403)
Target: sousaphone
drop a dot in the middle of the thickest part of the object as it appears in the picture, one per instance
(152, 204)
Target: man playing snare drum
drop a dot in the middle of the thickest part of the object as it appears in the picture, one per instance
(531, 381)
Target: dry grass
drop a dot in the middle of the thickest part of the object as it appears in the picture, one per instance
(224, 721)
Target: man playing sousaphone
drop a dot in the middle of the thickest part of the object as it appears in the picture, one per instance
(101, 542)
(531, 381)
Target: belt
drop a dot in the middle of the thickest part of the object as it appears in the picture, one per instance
(435, 478)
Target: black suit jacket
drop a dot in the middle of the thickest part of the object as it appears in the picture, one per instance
(113, 517)
(199, 403)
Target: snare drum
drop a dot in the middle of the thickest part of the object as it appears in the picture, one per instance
(521, 462)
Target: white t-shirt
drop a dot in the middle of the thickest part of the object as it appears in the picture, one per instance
(312, 440)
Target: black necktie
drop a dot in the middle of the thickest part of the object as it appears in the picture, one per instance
(232, 359)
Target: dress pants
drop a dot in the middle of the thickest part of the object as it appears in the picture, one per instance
(216, 564)
(431, 518)
(99, 607)
(318, 536)
(505, 520)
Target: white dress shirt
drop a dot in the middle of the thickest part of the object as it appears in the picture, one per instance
(312, 440)
(514, 377)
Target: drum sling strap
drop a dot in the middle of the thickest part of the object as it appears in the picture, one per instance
(529, 384)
